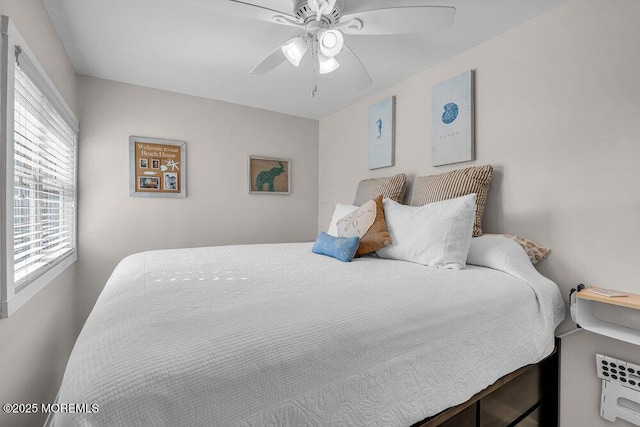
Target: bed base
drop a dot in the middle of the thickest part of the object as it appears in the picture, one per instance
(527, 397)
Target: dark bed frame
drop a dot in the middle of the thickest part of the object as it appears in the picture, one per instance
(527, 397)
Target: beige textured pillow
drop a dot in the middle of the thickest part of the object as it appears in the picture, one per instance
(392, 187)
(368, 223)
(535, 252)
(457, 183)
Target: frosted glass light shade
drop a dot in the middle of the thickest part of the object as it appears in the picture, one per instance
(327, 64)
(294, 50)
(331, 42)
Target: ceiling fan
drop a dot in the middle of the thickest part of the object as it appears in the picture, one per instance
(323, 24)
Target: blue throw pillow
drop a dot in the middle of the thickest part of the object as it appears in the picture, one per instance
(341, 248)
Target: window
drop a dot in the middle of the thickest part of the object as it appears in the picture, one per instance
(38, 151)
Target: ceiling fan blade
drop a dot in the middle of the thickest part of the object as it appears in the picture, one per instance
(355, 6)
(352, 69)
(400, 20)
(274, 59)
(247, 10)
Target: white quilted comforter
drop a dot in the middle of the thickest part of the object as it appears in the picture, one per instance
(276, 335)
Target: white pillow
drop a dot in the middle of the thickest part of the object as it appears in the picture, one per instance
(338, 213)
(436, 234)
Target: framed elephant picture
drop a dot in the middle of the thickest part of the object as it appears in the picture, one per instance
(269, 176)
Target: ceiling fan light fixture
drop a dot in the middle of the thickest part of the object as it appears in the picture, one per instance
(327, 64)
(294, 50)
(330, 42)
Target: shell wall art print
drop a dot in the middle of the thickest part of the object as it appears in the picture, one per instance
(452, 121)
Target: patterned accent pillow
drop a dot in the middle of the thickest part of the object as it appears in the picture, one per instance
(340, 211)
(368, 223)
(457, 183)
(340, 248)
(392, 187)
(535, 252)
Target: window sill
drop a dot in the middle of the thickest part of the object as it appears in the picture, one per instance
(7, 308)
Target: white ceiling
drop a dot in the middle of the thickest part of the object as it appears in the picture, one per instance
(204, 50)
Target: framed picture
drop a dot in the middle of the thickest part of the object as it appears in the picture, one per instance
(452, 120)
(381, 137)
(269, 176)
(157, 167)
(148, 183)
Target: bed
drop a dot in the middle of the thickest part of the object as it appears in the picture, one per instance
(273, 334)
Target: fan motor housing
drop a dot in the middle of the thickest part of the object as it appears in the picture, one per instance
(303, 12)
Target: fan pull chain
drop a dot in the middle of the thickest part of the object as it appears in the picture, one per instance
(314, 53)
(314, 88)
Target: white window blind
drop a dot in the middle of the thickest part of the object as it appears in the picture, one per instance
(38, 176)
(44, 182)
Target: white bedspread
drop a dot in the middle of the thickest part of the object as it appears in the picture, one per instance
(276, 335)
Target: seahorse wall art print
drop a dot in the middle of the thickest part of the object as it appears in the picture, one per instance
(267, 177)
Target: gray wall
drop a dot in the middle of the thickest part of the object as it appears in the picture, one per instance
(37, 339)
(557, 108)
(217, 210)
